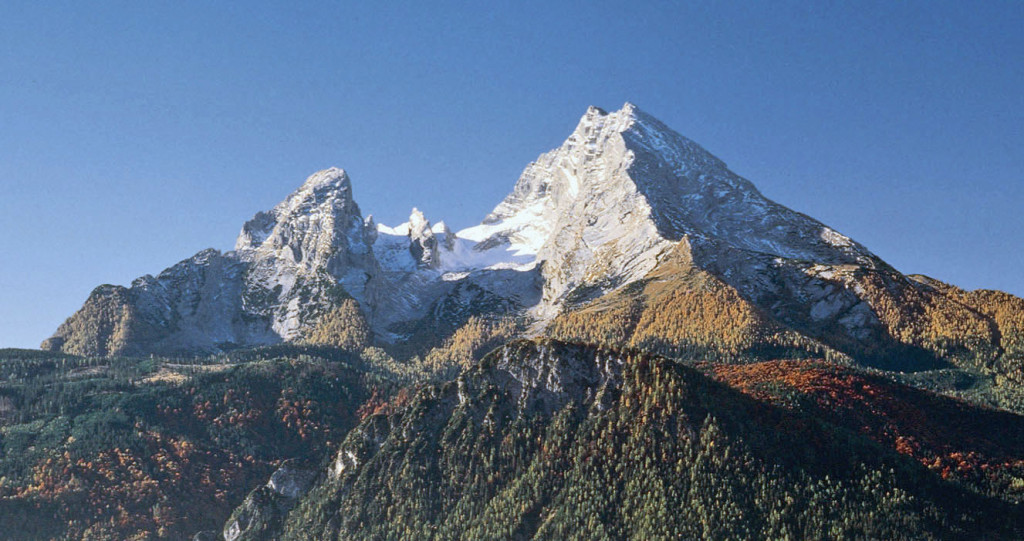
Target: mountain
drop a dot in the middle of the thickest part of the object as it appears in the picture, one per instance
(292, 269)
(626, 216)
(635, 343)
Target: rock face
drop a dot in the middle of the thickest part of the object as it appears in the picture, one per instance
(196, 302)
(422, 242)
(265, 507)
(604, 210)
(291, 265)
(306, 254)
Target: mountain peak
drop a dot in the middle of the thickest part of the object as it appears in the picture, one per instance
(325, 195)
(603, 207)
(330, 178)
(315, 237)
(417, 220)
(597, 124)
(423, 243)
(627, 109)
(621, 120)
(594, 214)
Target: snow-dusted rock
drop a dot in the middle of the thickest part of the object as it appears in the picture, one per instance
(314, 240)
(599, 211)
(593, 215)
(422, 242)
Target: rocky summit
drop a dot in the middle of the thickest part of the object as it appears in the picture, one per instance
(624, 202)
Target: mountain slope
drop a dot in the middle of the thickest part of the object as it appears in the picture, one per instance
(546, 440)
(681, 311)
(127, 448)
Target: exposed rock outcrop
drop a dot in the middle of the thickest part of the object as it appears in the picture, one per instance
(265, 508)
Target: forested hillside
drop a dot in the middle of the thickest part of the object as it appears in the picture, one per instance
(556, 441)
(117, 448)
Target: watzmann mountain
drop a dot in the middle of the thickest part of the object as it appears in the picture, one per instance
(634, 344)
(625, 216)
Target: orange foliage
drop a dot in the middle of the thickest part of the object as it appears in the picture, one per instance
(377, 405)
(678, 310)
(946, 435)
(112, 479)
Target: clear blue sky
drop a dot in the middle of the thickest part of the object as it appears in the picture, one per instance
(133, 134)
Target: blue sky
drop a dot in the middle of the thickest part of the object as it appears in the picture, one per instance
(134, 134)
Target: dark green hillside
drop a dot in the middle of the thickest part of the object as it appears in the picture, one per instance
(545, 440)
(141, 449)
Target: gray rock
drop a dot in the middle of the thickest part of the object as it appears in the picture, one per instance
(595, 214)
(290, 480)
(264, 508)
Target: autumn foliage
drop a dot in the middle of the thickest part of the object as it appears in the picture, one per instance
(119, 455)
(679, 311)
(951, 437)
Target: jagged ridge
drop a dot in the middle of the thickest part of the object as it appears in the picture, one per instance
(607, 209)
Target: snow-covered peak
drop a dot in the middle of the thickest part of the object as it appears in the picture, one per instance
(322, 207)
(597, 120)
(588, 217)
(685, 190)
(422, 242)
(332, 178)
(601, 208)
(445, 236)
(314, 238)
(417, 221)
